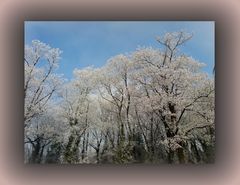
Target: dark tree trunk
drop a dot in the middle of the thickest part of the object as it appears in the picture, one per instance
(35, 156)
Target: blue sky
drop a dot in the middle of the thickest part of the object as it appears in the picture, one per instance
(87, 43)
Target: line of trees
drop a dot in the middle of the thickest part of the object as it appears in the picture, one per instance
(150, 106)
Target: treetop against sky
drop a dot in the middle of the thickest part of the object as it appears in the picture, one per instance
(92, 43)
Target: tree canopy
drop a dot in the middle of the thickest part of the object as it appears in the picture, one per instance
(153, 105)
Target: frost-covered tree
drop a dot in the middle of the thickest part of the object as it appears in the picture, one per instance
(173, 88)
(75, 105)
(40, 61)
(153, 105)
(115, 88)
(41, 82)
